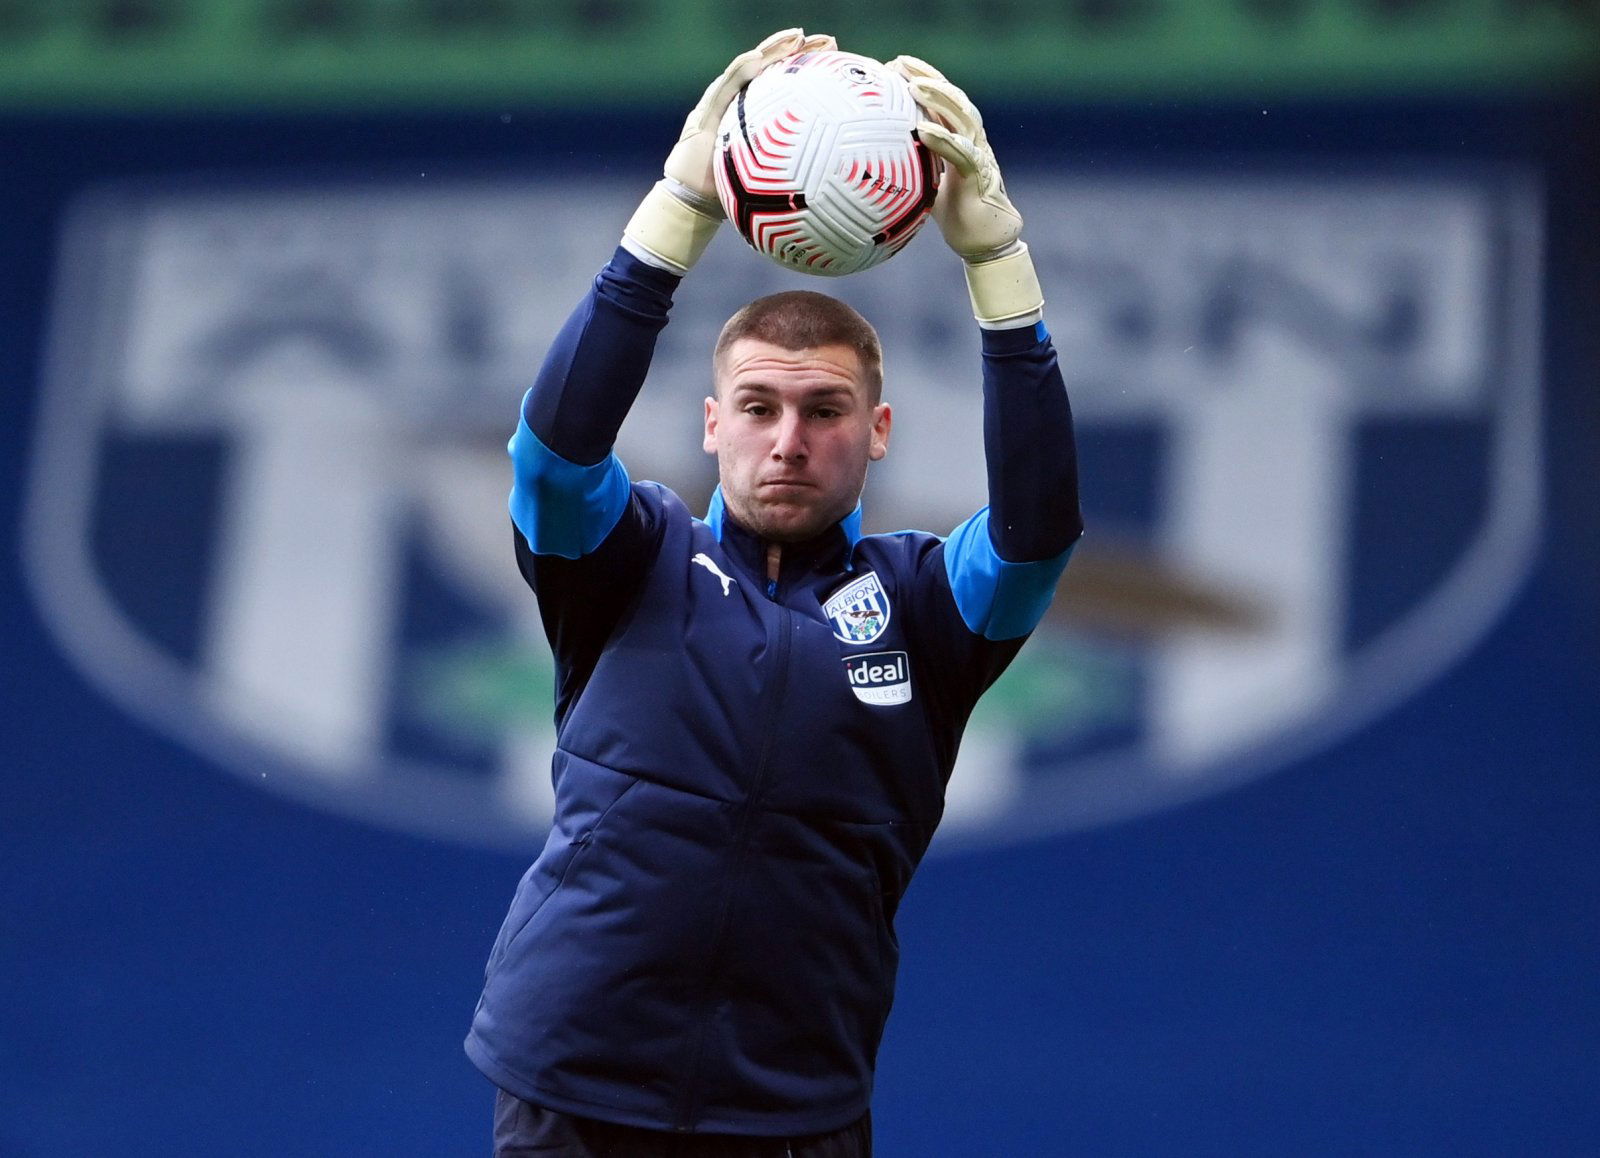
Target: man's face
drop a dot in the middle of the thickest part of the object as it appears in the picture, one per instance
(793, 431)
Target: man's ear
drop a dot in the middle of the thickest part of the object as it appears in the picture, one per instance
(882, 419)
(710, 442)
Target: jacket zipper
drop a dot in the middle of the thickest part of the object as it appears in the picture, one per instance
(772, 556)
(691, 1106)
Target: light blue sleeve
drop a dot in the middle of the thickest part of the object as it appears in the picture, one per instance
(997, 600)
(562, 508)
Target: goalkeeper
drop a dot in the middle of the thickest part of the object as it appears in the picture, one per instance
(757, 711)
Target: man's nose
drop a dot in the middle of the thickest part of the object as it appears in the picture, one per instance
(790, 444)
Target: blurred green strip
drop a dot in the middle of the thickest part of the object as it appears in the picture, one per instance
(353, 53)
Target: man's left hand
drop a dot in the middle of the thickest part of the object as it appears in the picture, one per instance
(972, 209)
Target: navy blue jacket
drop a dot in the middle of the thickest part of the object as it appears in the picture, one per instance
(747, 772)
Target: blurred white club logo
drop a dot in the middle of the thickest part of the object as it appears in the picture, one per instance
(269, 510)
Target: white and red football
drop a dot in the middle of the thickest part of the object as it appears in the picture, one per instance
(818, 164)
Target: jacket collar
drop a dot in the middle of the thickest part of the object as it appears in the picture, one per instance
(834, 545)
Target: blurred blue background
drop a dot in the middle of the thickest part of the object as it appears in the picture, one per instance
(1284, 835)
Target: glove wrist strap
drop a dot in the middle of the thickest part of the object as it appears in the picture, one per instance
(1005, 290)
(667, 232)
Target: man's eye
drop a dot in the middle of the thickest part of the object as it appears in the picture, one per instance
(759, 410)
(826, 412)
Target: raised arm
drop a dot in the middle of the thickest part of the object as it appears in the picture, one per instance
(1003, 563)
(569, 491)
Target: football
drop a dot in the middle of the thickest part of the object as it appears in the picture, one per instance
(818, 164)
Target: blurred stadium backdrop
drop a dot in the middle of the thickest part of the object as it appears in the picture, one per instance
(1282, 837)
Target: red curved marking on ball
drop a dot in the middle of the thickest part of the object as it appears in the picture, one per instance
(749, 202)
(913, 215)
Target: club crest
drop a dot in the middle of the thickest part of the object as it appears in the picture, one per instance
(859, 611)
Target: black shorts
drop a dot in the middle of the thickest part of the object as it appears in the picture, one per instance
(524, 1130)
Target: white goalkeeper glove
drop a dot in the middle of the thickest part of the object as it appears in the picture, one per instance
(974, 214)
(679, 216)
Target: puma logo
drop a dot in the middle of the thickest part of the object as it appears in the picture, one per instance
(705, 561)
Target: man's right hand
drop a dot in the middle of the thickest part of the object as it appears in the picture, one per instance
(689, 163)
(680, 214)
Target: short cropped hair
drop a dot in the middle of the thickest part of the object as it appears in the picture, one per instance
(804, 320)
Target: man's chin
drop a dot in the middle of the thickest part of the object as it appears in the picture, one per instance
(784, 522)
